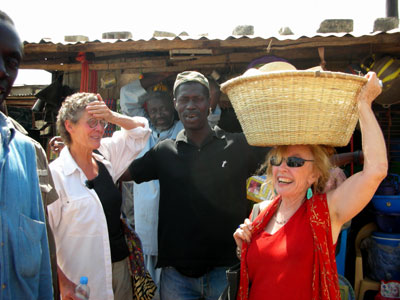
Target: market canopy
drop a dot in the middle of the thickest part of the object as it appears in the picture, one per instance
(176, 54)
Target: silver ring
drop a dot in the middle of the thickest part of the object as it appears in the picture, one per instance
(380, 83)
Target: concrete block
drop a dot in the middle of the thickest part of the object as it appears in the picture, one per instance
(285, 31)
(243, 30)
(336, 26)
(163, 34)
(117, 35)
(386, 24)
(75, 38)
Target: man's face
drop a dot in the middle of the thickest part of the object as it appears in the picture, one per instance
(161, 113)
(192, 104)
(10, 58)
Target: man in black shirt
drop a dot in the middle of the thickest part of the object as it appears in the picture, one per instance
(202, 195)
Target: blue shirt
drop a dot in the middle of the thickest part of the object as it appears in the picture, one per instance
(147, 195)
(24, 253)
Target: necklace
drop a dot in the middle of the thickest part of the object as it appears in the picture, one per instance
(280, 222)
(283, 222)
(276, 219)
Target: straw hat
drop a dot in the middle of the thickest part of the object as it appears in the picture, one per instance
(270, 67)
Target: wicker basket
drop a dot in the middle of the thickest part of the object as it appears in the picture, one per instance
(296, 107)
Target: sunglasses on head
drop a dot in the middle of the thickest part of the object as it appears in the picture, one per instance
(291, 162)
(92, 123)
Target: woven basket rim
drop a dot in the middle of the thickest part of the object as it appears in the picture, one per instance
(248, 92)
(293, 73)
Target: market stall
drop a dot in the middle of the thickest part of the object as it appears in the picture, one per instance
(107, 65)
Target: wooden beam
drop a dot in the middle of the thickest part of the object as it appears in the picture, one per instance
(123, 66)
(20, 102)
(151, 63)
(164, 63)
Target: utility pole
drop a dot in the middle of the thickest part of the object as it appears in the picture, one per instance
(392, 8)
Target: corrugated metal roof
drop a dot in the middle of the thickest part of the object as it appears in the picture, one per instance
(210, 37)
(156, 54)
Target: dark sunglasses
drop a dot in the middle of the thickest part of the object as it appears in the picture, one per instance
(291, 162)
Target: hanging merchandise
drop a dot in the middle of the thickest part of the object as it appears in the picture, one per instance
(108, 80)
(93, 82)
(387, 69)
(160, 87)
(84, 72)
(87, 85)
(367, 63)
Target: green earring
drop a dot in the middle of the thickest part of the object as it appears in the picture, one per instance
(309, 193)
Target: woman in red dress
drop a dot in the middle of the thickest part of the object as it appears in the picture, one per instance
(288, 251)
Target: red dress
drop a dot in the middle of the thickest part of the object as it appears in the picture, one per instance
(275, 270)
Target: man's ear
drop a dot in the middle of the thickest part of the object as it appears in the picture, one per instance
(175, 104)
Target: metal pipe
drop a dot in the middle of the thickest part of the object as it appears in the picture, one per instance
(392, 8)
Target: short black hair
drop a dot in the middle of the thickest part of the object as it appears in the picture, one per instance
(164, 96)
(206, 91)
(157, 95)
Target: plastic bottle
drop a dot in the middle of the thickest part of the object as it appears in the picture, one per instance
(82, 290)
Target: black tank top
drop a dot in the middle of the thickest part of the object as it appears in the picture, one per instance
(111, 200)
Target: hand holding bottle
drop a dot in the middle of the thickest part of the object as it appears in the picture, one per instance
(82, 290)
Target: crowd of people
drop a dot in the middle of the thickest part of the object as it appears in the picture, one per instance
(188, 197)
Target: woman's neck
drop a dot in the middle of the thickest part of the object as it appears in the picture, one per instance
(291, 204)
(84, 159)
(287, 208)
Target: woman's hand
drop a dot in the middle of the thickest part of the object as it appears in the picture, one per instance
(99, 110)
(67, 287)
(371, 89)
(243, 233)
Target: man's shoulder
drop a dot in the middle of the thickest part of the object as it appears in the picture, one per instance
(40, 152)
(166, 144)
(21, 135)
(237, 137)
(22, 141)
